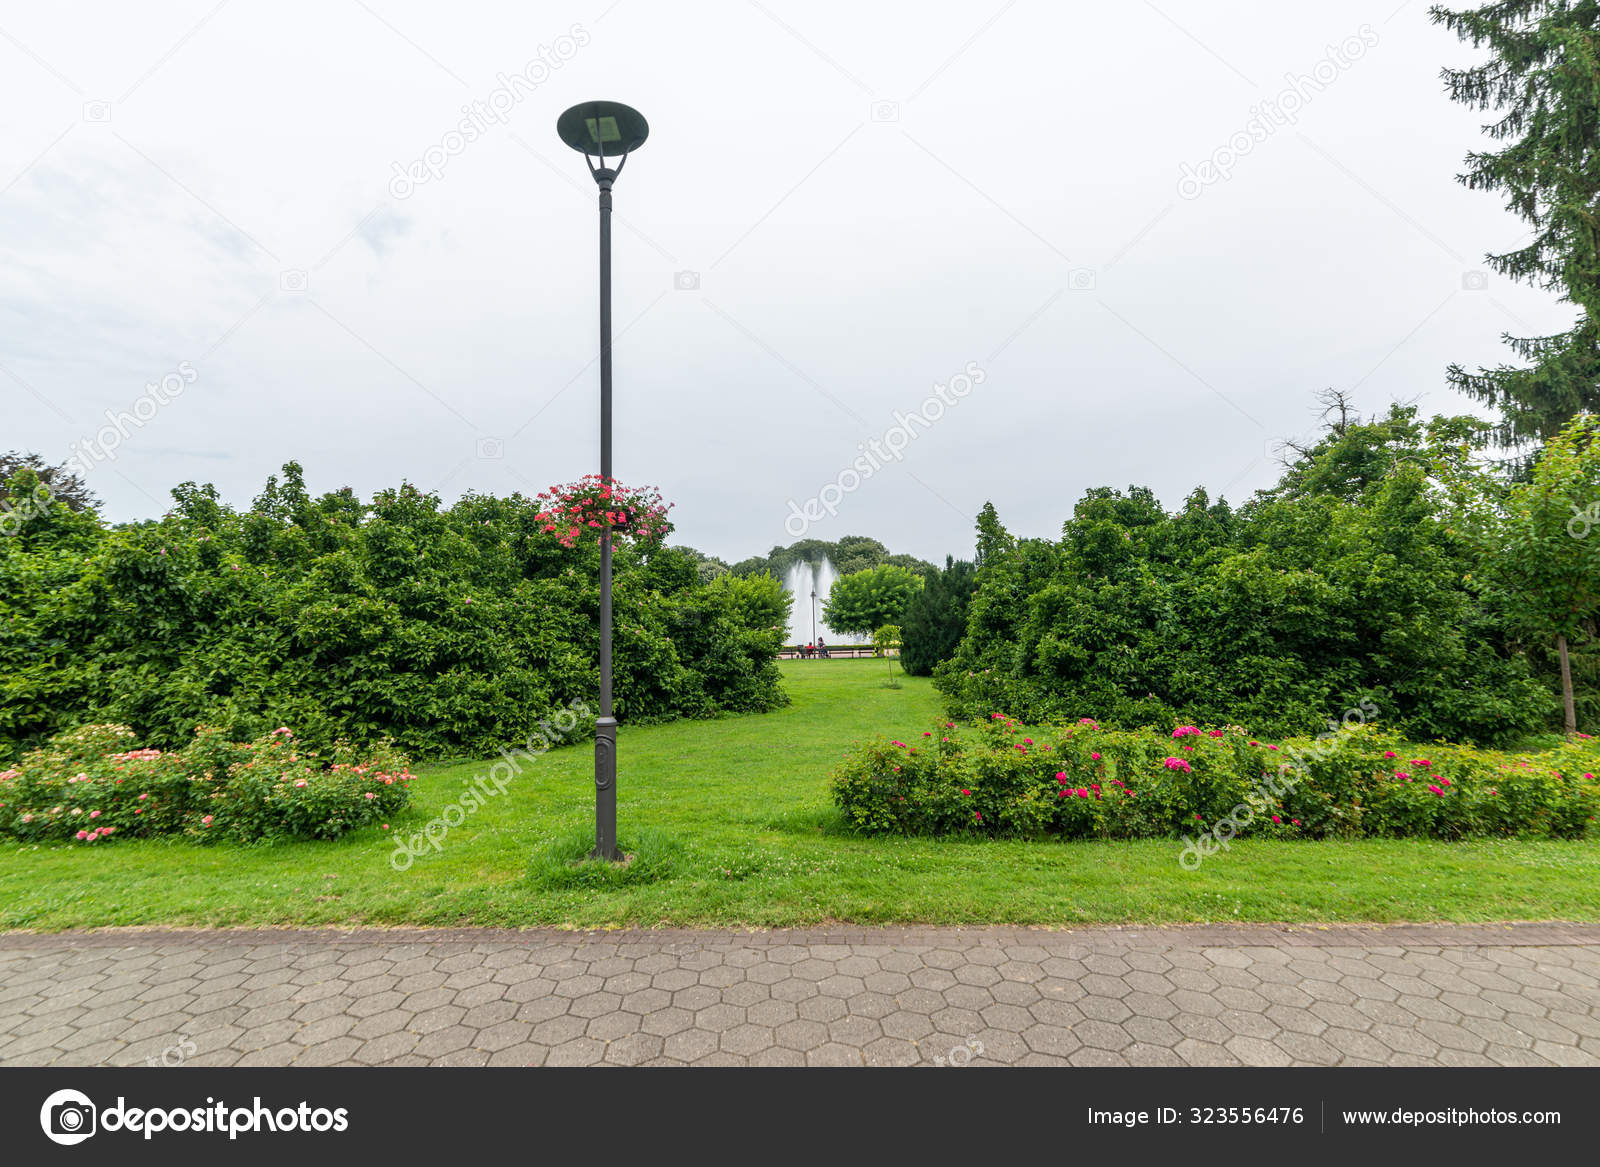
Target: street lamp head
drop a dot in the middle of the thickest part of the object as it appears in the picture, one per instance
(607, 130)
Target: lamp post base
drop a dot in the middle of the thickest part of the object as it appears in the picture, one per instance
(605, 789)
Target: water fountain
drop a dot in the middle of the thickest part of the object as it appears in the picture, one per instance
(802, 579)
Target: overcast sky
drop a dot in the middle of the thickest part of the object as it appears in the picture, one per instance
(839, 206)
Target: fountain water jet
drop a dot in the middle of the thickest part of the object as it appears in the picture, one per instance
(800, 581)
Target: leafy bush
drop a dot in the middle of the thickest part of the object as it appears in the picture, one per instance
(449, 629)
(92, 784)
(936, 617)
(1084, 781)
(1350, 581)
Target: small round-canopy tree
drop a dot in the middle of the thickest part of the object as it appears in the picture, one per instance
(866, 600)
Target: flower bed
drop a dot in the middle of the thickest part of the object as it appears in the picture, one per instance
(92, 786)
(1082, 781)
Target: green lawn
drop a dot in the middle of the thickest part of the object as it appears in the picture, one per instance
(737, 829)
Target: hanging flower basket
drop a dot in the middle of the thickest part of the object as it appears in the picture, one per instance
(593, 505)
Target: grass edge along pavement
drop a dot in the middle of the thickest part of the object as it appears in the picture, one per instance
(733, 825)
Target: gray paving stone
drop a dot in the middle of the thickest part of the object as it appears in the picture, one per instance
(1211, 995)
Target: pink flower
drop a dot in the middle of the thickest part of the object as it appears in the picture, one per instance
(1215, 733)
(1388, 753)
(369, 794)
(142, 797)
(94, 814)
(967, 792)
(81, 835)
(977, 815)
(1296, 822)
(1402, 774)
(300, 782)
(1096, 757)
(1185, 731)
(1177, 764)
(206, 822)
(1276, 819)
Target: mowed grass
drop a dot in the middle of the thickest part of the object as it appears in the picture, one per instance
(732, 823)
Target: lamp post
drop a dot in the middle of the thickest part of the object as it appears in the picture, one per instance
(606, 131)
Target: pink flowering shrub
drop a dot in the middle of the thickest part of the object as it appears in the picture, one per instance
(92, 785)
(1081, 781)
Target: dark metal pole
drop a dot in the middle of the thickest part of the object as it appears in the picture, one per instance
(605, 732)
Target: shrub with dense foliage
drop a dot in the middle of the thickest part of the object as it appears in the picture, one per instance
(1084, 781)
(936, 617)
(1350, 581)
(448, 629)
(93, 784)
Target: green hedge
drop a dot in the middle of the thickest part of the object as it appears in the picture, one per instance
(450, 629)
(92, 786)
(1082, 781)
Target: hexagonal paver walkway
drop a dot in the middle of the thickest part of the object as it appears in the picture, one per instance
(1253, 995)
